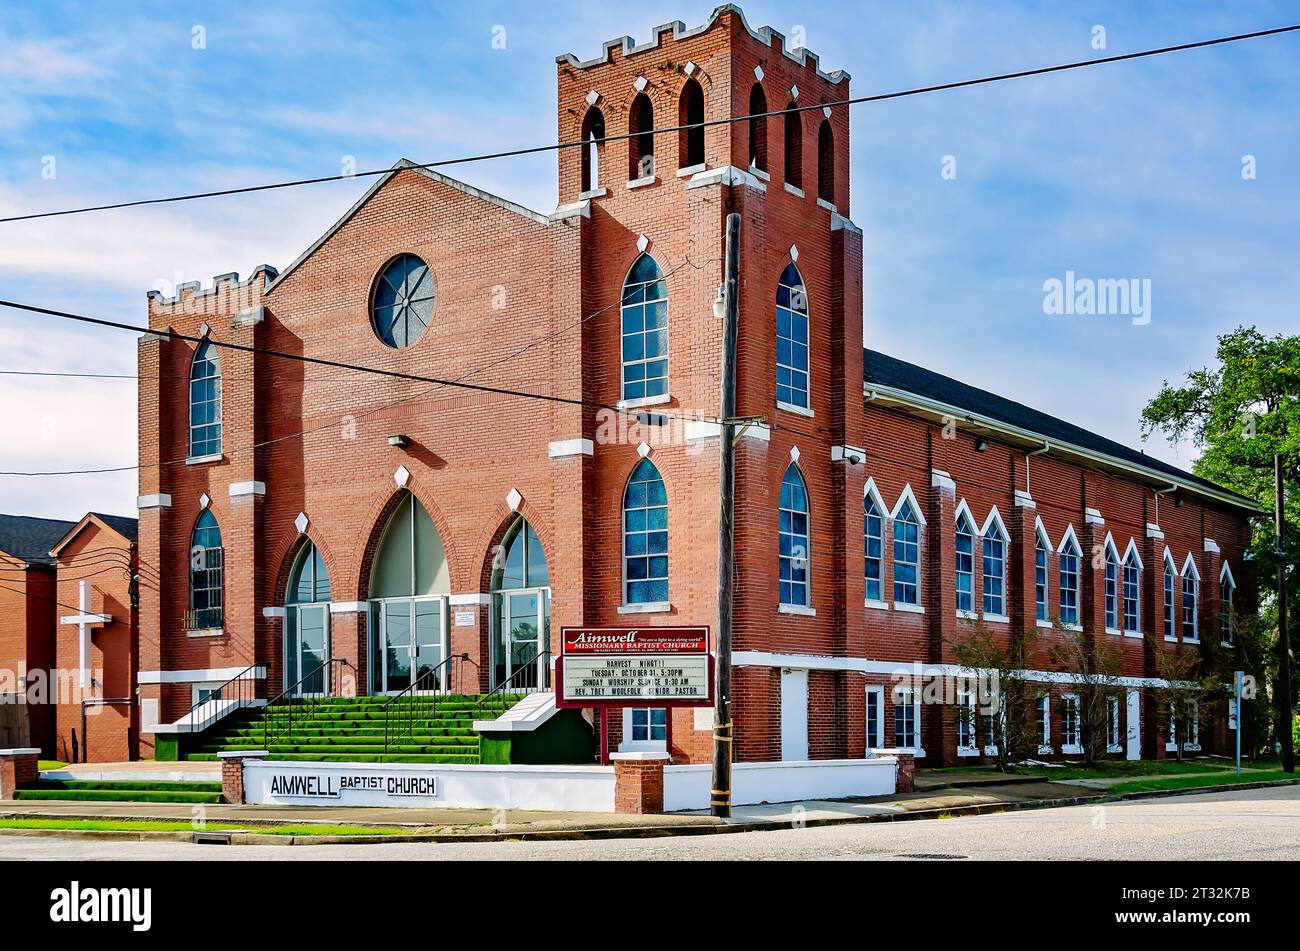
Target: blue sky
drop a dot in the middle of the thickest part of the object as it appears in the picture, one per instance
(1126, 171)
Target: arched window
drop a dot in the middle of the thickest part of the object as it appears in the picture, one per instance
(793, 538)
(793, 148)
(690, 116)
(791, 339)
(1227, 592)
(641, 145)
(907, 555)
(593, 134)
(965, 563)
(1191, 586)
(1171, 631)
(521, 611)
(1040, 579)
(306, 624)
(645, 537)
(873, 535)
(1132, 591)
(1112, 588)
(409, 584)
(995, 568)
(826, 163)
(1068, 564)
(205, 402)
(206, 575)
(757, 128)
(645, 331)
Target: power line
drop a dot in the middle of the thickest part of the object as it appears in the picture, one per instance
(459, 382)
(537, 149)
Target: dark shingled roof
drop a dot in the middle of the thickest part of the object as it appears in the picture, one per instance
(31, 538)
(884, 370)
(127, 527)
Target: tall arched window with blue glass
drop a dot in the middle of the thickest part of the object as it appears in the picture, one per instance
(645, 537)
(409, 587)
(205, 402)
(307, 625)
(791, 340)
(206, 575)
(793, 539)
(521, 611)
(645, 333)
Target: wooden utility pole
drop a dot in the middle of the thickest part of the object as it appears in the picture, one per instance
(720, 798)
(1285, 713)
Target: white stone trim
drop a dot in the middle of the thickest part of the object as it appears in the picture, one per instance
(644, 401)
(593, 193)
(801, 610)
(196, 675)
(1024, 500)
(159, 501)
(1212, 547)
(646, 607)
(1093, 517)
(475, 597)
(273, 613)
(841, 223)
(690, 170)
(942, 480)
(240, 489)
(562, 448)
(642, 182)
(727, 175)
(349, 607)
(876, 605)
(1154, 531)
(792, 408)
(839, 453)
(908, 608)
(700, 429)
(823, 203)
(797, 192)
(905, 496)
(202, 460)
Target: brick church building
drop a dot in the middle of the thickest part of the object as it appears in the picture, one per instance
(299, 513)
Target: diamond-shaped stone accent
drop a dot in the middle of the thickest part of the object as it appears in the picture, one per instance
(204, 330)
(204, 501)
(641, 83)
(643, 450)
(794, 453)
(758, 73)
(794, 92)
(593, 97)
(794, 252)
(689, 69)
(513, 498)
(300, 523)
(826, 111)
(642, 243)
(402, 476)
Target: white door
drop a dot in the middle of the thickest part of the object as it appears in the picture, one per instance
(1134, 718)
(794, 715)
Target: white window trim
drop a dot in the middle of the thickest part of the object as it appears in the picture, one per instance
(1045, 739)
(877, 605)
(917, 750)
(974, 750)
(904, 497)
(1072, 749)
(876, 695)
(792, 408)
(1112, 706)
(802, 610)
(908, 608)
(640, 746)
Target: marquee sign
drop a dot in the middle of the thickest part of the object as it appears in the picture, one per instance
(634, 667)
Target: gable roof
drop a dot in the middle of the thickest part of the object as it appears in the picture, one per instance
(30, 539)
(400, 166)
(126, 527)
(884, 371)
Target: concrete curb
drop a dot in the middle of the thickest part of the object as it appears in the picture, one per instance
(705, 827)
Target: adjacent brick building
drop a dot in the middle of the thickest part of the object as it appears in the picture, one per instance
(395, 523)
(58, 579)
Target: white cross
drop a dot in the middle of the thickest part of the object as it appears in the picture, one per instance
(84, 620)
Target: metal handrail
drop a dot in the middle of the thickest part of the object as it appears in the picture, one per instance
(418, 701)
(542, 661)
(297, 707)
(244, 677)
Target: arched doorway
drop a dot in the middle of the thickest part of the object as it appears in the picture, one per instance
(307, 625)
(409, 585)
(521, 611)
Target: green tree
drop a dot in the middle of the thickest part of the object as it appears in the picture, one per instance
(1239, 413)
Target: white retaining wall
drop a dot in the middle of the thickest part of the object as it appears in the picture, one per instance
(551, 788)
(687, 787)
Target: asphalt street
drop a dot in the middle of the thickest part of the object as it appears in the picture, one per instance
(1251, 825)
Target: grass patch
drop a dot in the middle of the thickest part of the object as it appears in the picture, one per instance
(146, 825)
(1118, 768)
(1194, 782)
(44, 764)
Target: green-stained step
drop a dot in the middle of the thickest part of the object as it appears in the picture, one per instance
(75, 790)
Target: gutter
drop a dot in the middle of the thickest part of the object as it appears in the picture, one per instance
(881, 393)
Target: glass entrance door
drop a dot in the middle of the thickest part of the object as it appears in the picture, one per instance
(522, 629)
(410, 638)
(309, 650)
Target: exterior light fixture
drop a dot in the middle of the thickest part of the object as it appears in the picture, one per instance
(981, 445)
(399, 441)
(720, 302)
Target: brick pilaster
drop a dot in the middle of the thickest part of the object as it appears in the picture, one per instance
(18, 767)
(639, 782)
